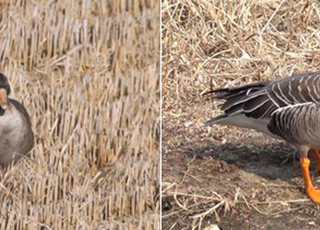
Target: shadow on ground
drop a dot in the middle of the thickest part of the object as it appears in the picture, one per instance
(267, 174)
(273, 161)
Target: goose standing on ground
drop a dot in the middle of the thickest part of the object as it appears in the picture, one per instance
(16, 136)
(288, 109)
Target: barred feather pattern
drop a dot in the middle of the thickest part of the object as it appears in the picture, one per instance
(298, 124)
(260, 100)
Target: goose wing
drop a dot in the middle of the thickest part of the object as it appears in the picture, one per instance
(260, 100)
(298, 124)
(22, 110)
(27, 142)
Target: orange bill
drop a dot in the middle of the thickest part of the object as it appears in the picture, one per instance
(3, 99)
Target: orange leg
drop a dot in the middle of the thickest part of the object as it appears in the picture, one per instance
(316, 155)
(313, 193)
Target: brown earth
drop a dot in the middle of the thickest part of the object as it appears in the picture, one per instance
(257, 177)
(235, 178)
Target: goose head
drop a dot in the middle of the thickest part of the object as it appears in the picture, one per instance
(5, 90)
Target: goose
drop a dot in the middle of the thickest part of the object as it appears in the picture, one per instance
(16, 136)
(287, 109)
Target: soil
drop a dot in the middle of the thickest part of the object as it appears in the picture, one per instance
(257, 178)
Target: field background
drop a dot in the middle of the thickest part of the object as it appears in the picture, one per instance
(88, 73)
(229, 177)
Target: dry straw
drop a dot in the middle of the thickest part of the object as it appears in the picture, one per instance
(88, 73)
(212, 44)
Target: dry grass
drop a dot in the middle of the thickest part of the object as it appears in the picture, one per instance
(212, 44)
(88, 73)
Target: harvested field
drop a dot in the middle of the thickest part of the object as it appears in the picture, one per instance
(225, 176)
(88, 73)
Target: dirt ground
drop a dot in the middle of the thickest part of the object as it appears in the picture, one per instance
(257, 177)
(233, 178)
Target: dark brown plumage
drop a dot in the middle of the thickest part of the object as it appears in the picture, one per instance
(252, 105)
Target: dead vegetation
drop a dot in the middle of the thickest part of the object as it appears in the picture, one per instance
(88, 73)
(238, 179)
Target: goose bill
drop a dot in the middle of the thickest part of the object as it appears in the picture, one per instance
(3, 99)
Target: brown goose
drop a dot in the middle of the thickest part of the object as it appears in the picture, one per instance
(288, 109)
(17, 138)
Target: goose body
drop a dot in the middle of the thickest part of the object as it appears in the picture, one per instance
(16, 136)
(288, 109)
(298, 124)
(252, 106)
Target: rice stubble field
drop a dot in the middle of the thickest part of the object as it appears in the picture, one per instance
(88, 74)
